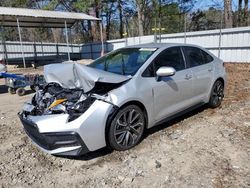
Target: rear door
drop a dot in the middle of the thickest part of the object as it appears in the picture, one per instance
(201, 64)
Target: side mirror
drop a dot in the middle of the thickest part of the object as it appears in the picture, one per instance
(165, 71)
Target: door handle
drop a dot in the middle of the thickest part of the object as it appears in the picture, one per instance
(188, 76)
(210, 69)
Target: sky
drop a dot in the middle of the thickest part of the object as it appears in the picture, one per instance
(205, 4)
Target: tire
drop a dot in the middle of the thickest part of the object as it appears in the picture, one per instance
(11, 91)
(126, 128)
(217, 94)
(20, 91)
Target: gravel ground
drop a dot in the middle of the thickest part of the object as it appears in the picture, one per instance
(205, 148)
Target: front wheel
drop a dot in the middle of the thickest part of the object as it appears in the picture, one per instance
(126, 128)
(217, 94)
(11, 90)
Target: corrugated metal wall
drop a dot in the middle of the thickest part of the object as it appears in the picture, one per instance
(40, 49)
(235, 43)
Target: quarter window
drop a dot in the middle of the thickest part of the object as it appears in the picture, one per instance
(207, 58)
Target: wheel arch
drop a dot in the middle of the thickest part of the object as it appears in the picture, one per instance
(220, 79)
(116, 109)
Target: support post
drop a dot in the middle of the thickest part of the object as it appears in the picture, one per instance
(21, 42)
(42, 48)
(35, 55)
(57, 51)
(91, 51)
(6, 59)
(102, 52)
(155, 32)
(219, 50)
(67, 38)
(3, 43)
(185, 28)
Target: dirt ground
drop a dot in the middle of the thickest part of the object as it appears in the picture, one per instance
(205, 148)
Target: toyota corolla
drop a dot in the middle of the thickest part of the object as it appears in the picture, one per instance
(113, 100)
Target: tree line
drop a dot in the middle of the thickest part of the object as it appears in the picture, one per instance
(129, 18)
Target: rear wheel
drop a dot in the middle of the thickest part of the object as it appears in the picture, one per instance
(20, 91)
(217, 94)
(126, 128)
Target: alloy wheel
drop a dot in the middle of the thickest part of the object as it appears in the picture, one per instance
(217, 93)
(129, 128)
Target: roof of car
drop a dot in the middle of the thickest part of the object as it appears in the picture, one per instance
(159, 45)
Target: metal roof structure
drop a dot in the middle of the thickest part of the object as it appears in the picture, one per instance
(40, 18)
(23, 17)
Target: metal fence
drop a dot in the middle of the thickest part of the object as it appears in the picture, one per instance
(231, 45)
(36, 51)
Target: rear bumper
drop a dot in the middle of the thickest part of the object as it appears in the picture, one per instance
(58, 143)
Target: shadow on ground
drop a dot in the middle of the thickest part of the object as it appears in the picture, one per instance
(168, 123)
(173, 121)
(27, 92)
(3, 89)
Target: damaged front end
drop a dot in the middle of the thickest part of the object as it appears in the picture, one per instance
(71, 89)
(53, 99)
(70, 109)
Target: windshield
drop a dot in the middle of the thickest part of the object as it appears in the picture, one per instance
(125, 61)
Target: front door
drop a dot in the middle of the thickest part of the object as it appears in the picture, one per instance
(173, 93)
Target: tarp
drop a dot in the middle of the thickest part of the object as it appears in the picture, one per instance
(40, 18)
(74, 75)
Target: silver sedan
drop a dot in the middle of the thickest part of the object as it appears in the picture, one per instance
(114, 99)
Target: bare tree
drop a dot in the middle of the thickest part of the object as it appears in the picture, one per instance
(245, 18)
(228, 16)
(139, 7)
(120, 18)
(239, 12)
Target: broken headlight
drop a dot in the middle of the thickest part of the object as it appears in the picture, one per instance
(53, 99)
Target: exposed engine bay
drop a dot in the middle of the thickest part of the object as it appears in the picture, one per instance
(53, 99)
(71, 88)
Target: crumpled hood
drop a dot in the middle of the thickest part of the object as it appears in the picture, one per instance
(74, 75)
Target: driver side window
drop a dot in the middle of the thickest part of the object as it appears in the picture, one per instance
(171, 57)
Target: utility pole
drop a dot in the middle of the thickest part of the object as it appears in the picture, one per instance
(220, 33)
(185, 29)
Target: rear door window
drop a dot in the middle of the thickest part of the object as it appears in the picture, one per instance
(194, 56)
